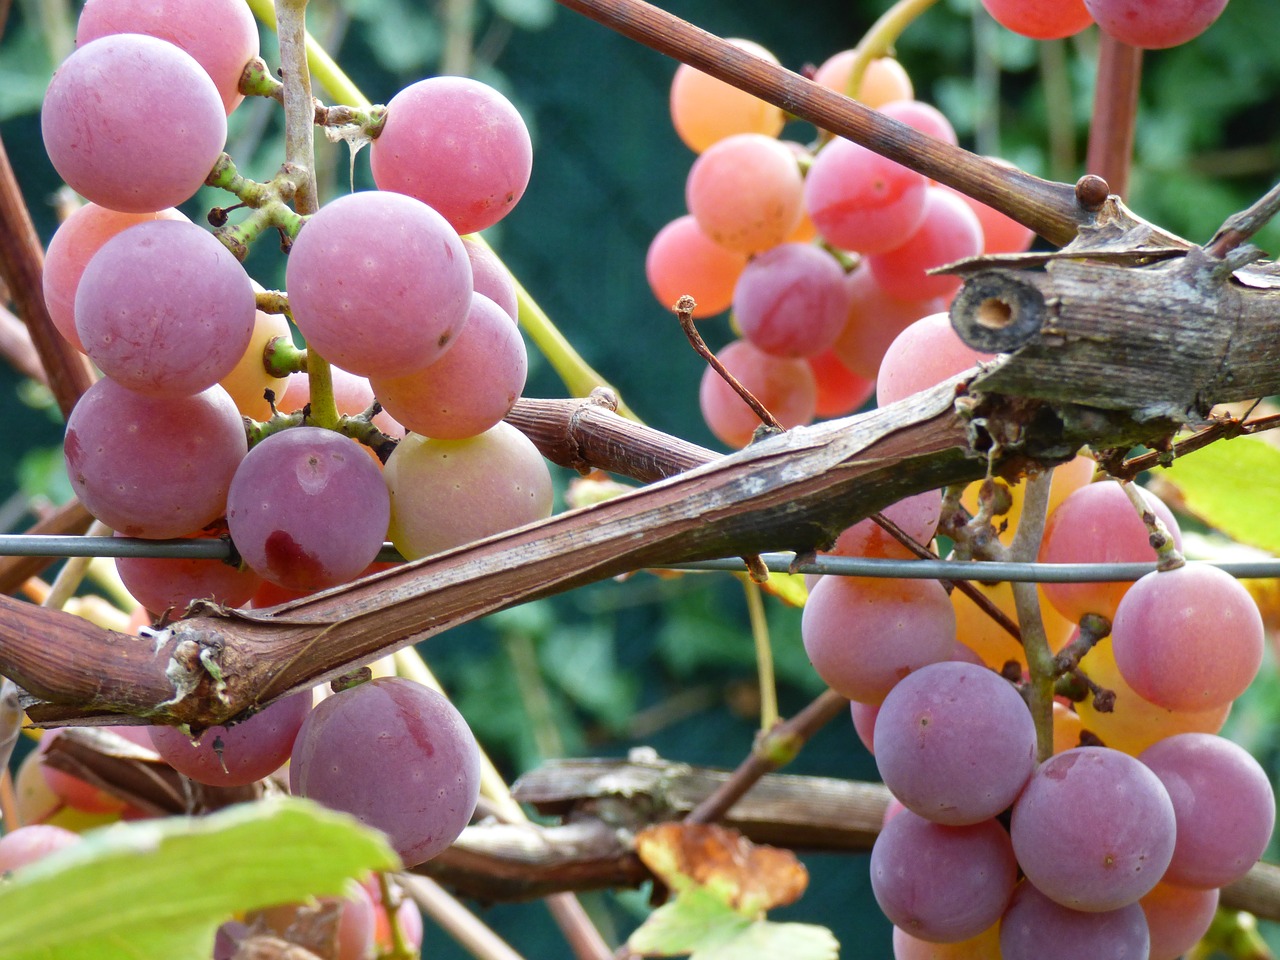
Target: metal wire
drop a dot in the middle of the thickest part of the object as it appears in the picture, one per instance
(31, 545)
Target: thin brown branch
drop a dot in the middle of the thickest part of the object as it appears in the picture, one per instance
(1239, 227)
(1046, 207)
(1115, 106)
(683, 309)
(21, 265)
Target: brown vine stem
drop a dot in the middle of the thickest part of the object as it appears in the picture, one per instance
(683, 309)
(1026, 599)
(1046, 207)
(21, 266)
(1115, 107)
(774, 749)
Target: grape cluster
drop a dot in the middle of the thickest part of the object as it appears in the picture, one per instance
(381, 282)
(821, 250)
(1138, 23)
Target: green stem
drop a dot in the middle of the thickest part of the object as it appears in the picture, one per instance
(391, 901)
(879, 40)
(764, 655)
(1168, 556)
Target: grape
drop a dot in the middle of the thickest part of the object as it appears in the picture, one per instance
(470, 388)
(1098, 524)
(445, 493)
(923, 355)
(862, 201)
(840, 390)
(1094, 829)
(491, 277)
(457, 145)
(874, 320)
(864, 723)
(942, 883)
(379, 283)
(248, 381)
(1037, 928)
(923, 117)
(171, 583)
(164, 308)
(220, 34)
(1155, 24)
(398, 757)
(153, 466)
(1188, 639)
(307, 509)
(684, 260)
(985, 946)
(705, 110)
(948, 231)
(791, 301)
(864, 634)
(1040, 19)
(1177, 917)
(955, 743)
(408, 919)
(746, 192)
(23, 845)
(883, 81)
(1000, 232)
(785, 386)
(73, 244)
(1067, 728)
(916, 515)
(1136, 723)
(237, 755)
(1223, 803)
(133, 123)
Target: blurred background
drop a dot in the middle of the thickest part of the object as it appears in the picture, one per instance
(668, 663)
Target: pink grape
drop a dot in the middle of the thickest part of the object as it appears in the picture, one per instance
(705, 110)
(985, 946)
(1188, 639)
(379, 283)
(237, 755)
(491, 277)
(955, 743)
(1155, 24)
(863, 634)
(1040, 19)
(791, 301)
(746, 192)
(1037, 928)
(469, 389)
(171, 583)
(1223, 803)
(153, 467)
(785, 386)
(458, 145)
(840, 390)
(445, 493)
(916, 515)
(164, 308)
(926, 353)
(861, 201)
(942, 883)
(24, 845)
(884, 80)
(684, 260)
(864, 723)
(133, 123)
(406, 741)
(221, 35)
(948, 231)
(308, 509)
(1098, 524)
(73, 244)
(923, 117)
(874, 320)
(1177, 918)
(1108, 858)
(1000, 232)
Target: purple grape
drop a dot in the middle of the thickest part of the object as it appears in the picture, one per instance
(1094, 829)
(940, 883)
(240, 754)
(1037, 928)
(308, 509)
(491, 278)
(397, 756)
(955, 743)
(791, 301)
(1223, 803)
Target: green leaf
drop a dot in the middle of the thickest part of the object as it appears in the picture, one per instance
(1234, 486)
(701, 925)
(158, 889)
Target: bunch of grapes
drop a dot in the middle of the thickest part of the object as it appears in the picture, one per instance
(185, 434)
(1138, 23)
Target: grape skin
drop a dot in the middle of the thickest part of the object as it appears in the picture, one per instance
(683, 260)
(785, 386)
(1037, 928)
(791, 300)
(862, 201)
(705, 110)
(147, 145)
(746, 192)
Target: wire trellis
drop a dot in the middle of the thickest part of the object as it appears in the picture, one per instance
(987, 571)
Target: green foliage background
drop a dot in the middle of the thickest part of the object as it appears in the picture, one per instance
(668, 663)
